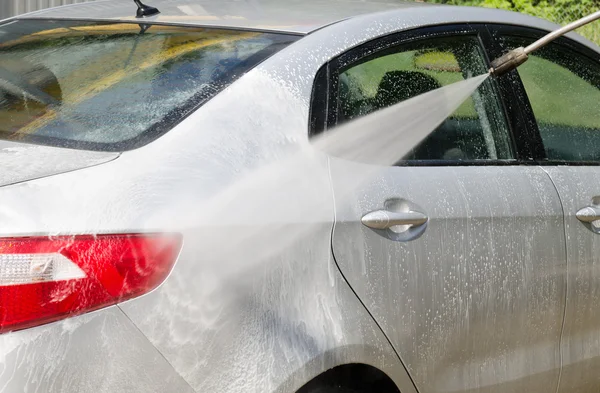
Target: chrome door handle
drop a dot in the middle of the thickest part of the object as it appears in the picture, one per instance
(588, 214)
(383, 219)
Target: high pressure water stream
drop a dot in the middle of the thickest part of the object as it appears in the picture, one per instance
(282, 200)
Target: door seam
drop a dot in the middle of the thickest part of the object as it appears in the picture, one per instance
(392, 346)
(562, 328)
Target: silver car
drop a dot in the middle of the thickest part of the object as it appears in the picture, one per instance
(162, 230)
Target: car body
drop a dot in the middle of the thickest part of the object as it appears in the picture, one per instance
(279, 286)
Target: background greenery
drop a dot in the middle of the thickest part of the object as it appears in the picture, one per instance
(558, 11)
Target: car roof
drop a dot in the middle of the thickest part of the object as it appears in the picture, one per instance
(297, 16)
(293, 16)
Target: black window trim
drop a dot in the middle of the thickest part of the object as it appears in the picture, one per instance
(324, 105)
(498, 31)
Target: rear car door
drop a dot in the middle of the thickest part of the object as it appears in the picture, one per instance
(471, 290)
(562, 82)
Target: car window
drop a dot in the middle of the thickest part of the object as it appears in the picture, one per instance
(563, 88)
(476, 131)
(115, 86)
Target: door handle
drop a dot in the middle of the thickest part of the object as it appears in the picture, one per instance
(384, 219)
(588, 214)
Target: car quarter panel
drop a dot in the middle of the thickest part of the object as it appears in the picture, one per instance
(254, 302)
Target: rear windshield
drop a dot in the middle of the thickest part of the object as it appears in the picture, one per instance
(114, 86)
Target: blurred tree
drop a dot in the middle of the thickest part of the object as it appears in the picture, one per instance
(558, 11)
(549, 9)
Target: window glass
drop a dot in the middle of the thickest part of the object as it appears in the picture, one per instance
(563, 88)
(476, 131)
(114, 86)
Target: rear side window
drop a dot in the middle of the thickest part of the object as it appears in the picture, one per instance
(114, 86)
(563, 87)
(476, 131)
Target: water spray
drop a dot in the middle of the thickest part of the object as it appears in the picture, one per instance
(518, 56)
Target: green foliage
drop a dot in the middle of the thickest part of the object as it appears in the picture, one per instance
(558, 11)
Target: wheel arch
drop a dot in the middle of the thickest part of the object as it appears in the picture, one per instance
(351, 377)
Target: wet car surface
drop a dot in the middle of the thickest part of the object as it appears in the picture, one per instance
(145, 246)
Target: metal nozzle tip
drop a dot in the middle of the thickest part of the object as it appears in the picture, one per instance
(508, 62)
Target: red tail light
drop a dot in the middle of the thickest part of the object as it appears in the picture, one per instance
(44, 279)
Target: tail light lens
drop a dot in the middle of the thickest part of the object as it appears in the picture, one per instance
(44, 279)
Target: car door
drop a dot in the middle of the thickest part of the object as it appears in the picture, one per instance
(562, 82)
(469, 286)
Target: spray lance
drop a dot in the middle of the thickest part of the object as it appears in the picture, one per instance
(518, 56)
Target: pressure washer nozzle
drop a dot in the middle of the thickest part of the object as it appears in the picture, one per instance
(509, 61)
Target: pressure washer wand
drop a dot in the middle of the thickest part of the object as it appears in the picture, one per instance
(518, 56)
